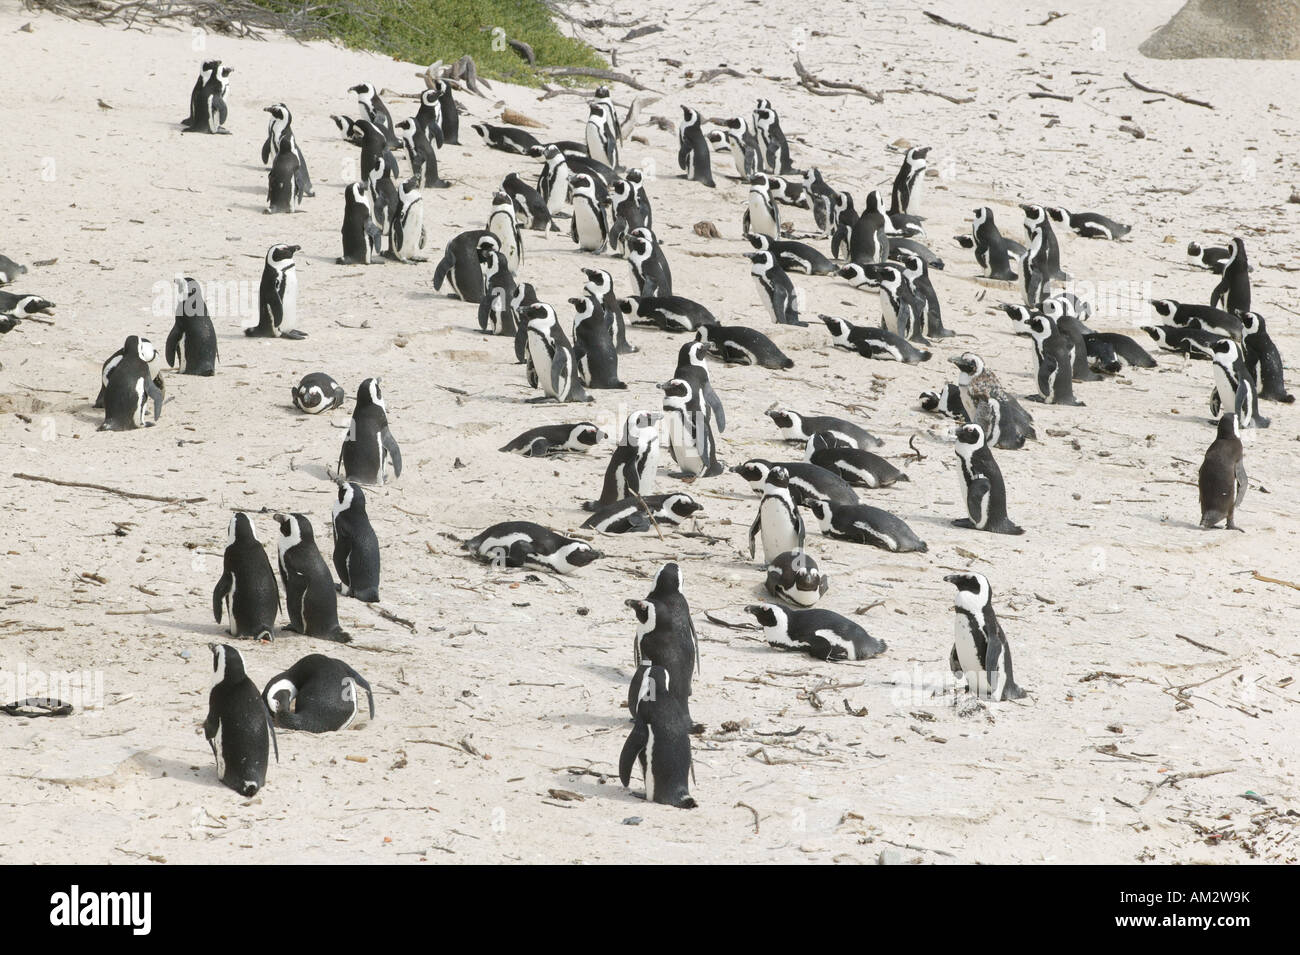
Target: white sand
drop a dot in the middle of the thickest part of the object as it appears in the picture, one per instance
(1112, 566)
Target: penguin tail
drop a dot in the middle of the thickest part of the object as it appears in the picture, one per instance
(687, 802)
(248, 788)
(903, 477)
(590, 505)
(338, 635)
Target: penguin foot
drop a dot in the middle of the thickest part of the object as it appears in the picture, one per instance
(295, 335)
(942, 333)
(1038, 398)
(964, 522)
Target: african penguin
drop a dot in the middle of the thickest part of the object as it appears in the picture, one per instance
(246, 590)
(309, 595)
(318, 694)
(238, 725)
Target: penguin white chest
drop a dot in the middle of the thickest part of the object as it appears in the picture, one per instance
(590, 237)
(963, 639)
(777, 529)
(289, 302)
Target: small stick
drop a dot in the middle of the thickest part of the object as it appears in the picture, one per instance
(1176, 778)
(1202, 646)
(1178, 96)
(389, 615)
(649, 513)
(136, 495)
(1273, 580)
(609, 75)
(943, 21)
(745, 805)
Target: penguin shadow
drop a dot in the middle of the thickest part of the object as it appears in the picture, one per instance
(203, 632)
(611, 788)
(205, 775)
(596, 720)
(618, 676)
(255, 190)
(319, 471)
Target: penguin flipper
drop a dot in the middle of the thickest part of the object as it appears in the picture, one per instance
(156, 395)
(753, 529)
(632, 749)
(715, 405)
(394, 452)
(219, 595)
(173, 344)
(1241, 483)
(977, 494)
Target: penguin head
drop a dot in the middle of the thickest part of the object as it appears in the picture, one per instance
(279, 111)
(1229, 426)
(874, 201)
(582, 185)
(681, 505)
(1194, 248)
(970, 437)
(689, 116)
(369, 393)
(778, 478)
(822, 441)
(668, 580)
(430, 97)
(584, 308)
(763, 262)
(677, 393)
(982, 215)
(761, 242)
(754, 471)
(976, 585)
(1018, 314)
(1225, 351)
(784, 419)
(364, 91)
(1058, 213)
(294, 529)
(836, 326)
(579, 553)
(501, 201)
(227, 663)
(587, 434)
(638, 247)
(190, 302)
(917, 154)
(768, 616)
(241, 528)
(1155, 331)
(602, 92)
(855, 274)
(1034, 214)
(634, 176)
(1165, 307)
(913, 265)
(279, 696)
(356, 194)
(1055, 308)
(969, 363)
(142, 347)
(1040, 327)
(629, 305)
(280, 255)
(693, 353)
(489, 242)
(702, 335)
(843, 202)
(929, 401)
(541, 314)
(1252, 323)
(760, 183)
(599, 279)
(350, 497)
(639, 422)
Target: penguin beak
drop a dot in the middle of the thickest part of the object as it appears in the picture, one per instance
(752, 609)
(632, 603)
(266, 109)
(951, 578)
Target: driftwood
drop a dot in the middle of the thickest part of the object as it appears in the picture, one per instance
(709, 76)
(607, 75)
(462, 74)
(136, 495)
(959, 100)
(1182, 98)
(639, 32)
(813, 83)
(513, 117)
(1040, 94)
(943, 21)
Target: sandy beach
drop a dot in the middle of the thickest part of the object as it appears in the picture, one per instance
(1161, 672)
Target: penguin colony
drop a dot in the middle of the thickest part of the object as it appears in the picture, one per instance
(609, 211)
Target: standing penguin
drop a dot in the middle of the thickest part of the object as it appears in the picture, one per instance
(634, 464)
(206, 72)
(1233, 289)
(369, 446)
(448, 112)
(775, 289)
(1222, 478)
(277, 296)
(772, 144)
(127, 385)
(551, 365)
(247, 588)
(778, 519)
(661, 741)
(361, 234)
(238, 726)
(553, 180)
(356, 548)
(649, 264)
(407, 235)
(692, 366)
(690, 436)
(599, 287)
(917, 275)
(211, 112)
(588, 227)
(1233, 386)
(309, 595)
(602, 142)
(496, 313)
(1041, 263)
(1055, 354)
(193, 341)
(593, 345)
(980, 654)
(375, 110)
(280, 126)
(693, 148)
(1263, 361)
(867, 240)
(282, 190)
(993, 252)
(530, 207)
(459, 266)
(907, 184)
(982, 486)
(503, 224)
(762, 217)
(665, 636)
(421, 152)
(318, 694)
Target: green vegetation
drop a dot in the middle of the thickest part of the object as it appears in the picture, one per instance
(423, 31)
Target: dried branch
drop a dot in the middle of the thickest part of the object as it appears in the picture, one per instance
(135, 495)
(1178, 96)
(943, 21)
(813, 83)
(608, 75)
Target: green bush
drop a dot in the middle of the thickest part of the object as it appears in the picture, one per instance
(423, 31)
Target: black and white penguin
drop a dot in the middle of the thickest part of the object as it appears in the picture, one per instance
(384, 200)
(772, 144)
(192, 343)
(742, 145)
(373, 106)
(20, 305)
(525, 544)
(530, 207)
(448, 112)
(795, 578)
(238, 725)
(602, 141)
(10, 270)
(634, 464)
(859, 468)
(917, 275)
(625, 214)
(649, 264)
(593, 345)
(603, 98)
(551, 365)
(743, 346)
(672, 313)
(356, 548)
(984, 492)
(762, 217)
(1185, 315)
(1090, 225)
(775, 289)
(800, 427)
(864, 524)
(277, 296)
(1233, 290)
(693, 149)
(693, 367)
(665, 635)
(496, 313)
(555, 439)
(525, 295)
(790, 192)
(127, 384)
(407, 236)
(691, 440)
(1222, 477)
(794, 256)
(507, 139)
(246, 591)
(1211, 257)
(661, 742)
(317, 392)
(778, 519)
(636, 514)
(877, 343)
(421, 152)
(994, 253)
(599, 287)
(901, 310)
(980, 654)
(310, 597)
(318, 694)
(807, 481)
(553, 180)
(282, 186)
(867, 240)
(369, 447)
(503, 224)
(1263, 361)
(907, 184)
(977, 386)
(280, 126)
(197, 106)
(361, 233)
(945, 401)
(1055, 354)
(1040, 264)
(588, 228)
(823, 634)
(1062, 313)
(1191, 342)
(1233, 386)
(459, 266)
(210, 115)
(1109, 352)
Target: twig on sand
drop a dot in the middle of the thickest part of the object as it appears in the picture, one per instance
(1175, 778)
(1042, 94)
(389, 615)
(709, 76)
(1181, 97)
(958, 100)
(910, 444)
(609, 75)
(730, 626)
(745, 805)
(1202, 646)
(1274, 580)
(813, 83)
(649, 513)
(135, 495)
(944, 21)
